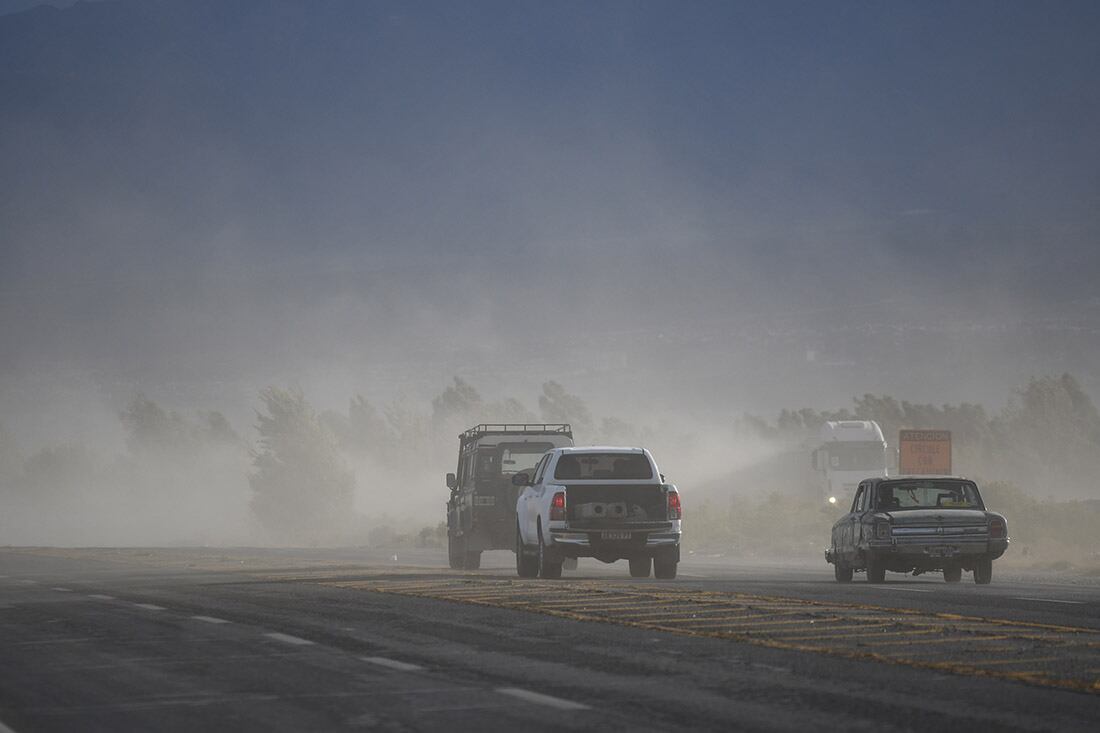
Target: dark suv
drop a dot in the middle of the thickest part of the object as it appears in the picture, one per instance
(481, 511)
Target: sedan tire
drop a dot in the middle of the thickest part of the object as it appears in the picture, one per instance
(983, 571)
(876, 570)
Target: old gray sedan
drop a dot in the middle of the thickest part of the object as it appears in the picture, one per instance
(917, 524)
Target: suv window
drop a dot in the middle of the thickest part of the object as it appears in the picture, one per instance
(858, 500)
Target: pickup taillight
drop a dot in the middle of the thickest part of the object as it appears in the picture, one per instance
(674, 510)
(996, 528)
(557, 507)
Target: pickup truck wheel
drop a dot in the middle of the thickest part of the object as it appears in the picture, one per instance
(569, 563)
(983, 571)
(876, 571)
(952, 573)
(664, 567)
(842, 571)
(639, 567)
(549, 565)
(527, 565)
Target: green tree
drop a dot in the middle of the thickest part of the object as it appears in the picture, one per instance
(301, 487)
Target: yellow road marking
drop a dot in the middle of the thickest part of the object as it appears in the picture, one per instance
(861, 632)
(733, 623)
(767, 621)
(945, 640)
(1034, 660)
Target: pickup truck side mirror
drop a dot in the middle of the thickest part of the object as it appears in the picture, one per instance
(521, 479)
(452, 481)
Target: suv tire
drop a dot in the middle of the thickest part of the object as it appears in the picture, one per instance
(456, 553)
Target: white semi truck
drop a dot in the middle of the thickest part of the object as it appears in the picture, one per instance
(848, 452)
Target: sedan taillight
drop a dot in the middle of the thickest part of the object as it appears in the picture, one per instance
(997, 528)
(557, 507)
(674, 510)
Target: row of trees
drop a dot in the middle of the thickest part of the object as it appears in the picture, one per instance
(1046, 437)
(197, 479)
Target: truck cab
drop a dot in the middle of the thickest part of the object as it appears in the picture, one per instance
(848, 451)
(481, 510)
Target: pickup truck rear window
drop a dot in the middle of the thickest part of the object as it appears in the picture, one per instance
(613, 466)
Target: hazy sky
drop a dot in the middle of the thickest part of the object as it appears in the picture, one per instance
(248, 190)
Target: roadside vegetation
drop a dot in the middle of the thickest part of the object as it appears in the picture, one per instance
(301, 476)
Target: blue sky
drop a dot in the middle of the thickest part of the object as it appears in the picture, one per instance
(170, 164)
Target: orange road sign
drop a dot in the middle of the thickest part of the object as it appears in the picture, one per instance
(924, 452)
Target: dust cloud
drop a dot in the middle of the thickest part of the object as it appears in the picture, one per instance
(362, 205)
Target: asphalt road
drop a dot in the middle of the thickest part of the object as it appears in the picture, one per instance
(320, 640)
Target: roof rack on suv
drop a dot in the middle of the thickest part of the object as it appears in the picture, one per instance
(484, 429)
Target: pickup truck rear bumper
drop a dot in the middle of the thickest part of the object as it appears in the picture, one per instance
(593, 538)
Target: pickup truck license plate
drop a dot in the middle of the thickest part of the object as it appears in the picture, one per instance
(615, 535)
(943, 551)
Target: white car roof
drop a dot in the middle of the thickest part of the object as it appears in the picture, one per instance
(601, 449)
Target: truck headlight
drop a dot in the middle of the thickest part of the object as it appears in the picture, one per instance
(882, 529)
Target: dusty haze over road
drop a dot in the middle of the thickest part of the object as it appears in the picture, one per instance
(682, 213)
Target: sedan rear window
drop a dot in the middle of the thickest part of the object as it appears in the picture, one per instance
(927, 494)
(613, 466)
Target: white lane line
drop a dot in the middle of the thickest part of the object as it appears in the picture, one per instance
(1050, 600)
(29, 582)
(288, 639)
(392, 664)
(5, 729)
(62, 590)
(211, 619)
(540, 699)
(910, 590)
(101, 597)
(149, 606)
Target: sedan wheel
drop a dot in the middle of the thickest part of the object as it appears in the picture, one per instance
(876, 570)
(983, 571)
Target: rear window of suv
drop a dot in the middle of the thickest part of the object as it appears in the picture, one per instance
(611, 466)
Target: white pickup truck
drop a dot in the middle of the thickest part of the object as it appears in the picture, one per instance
(606, 503)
